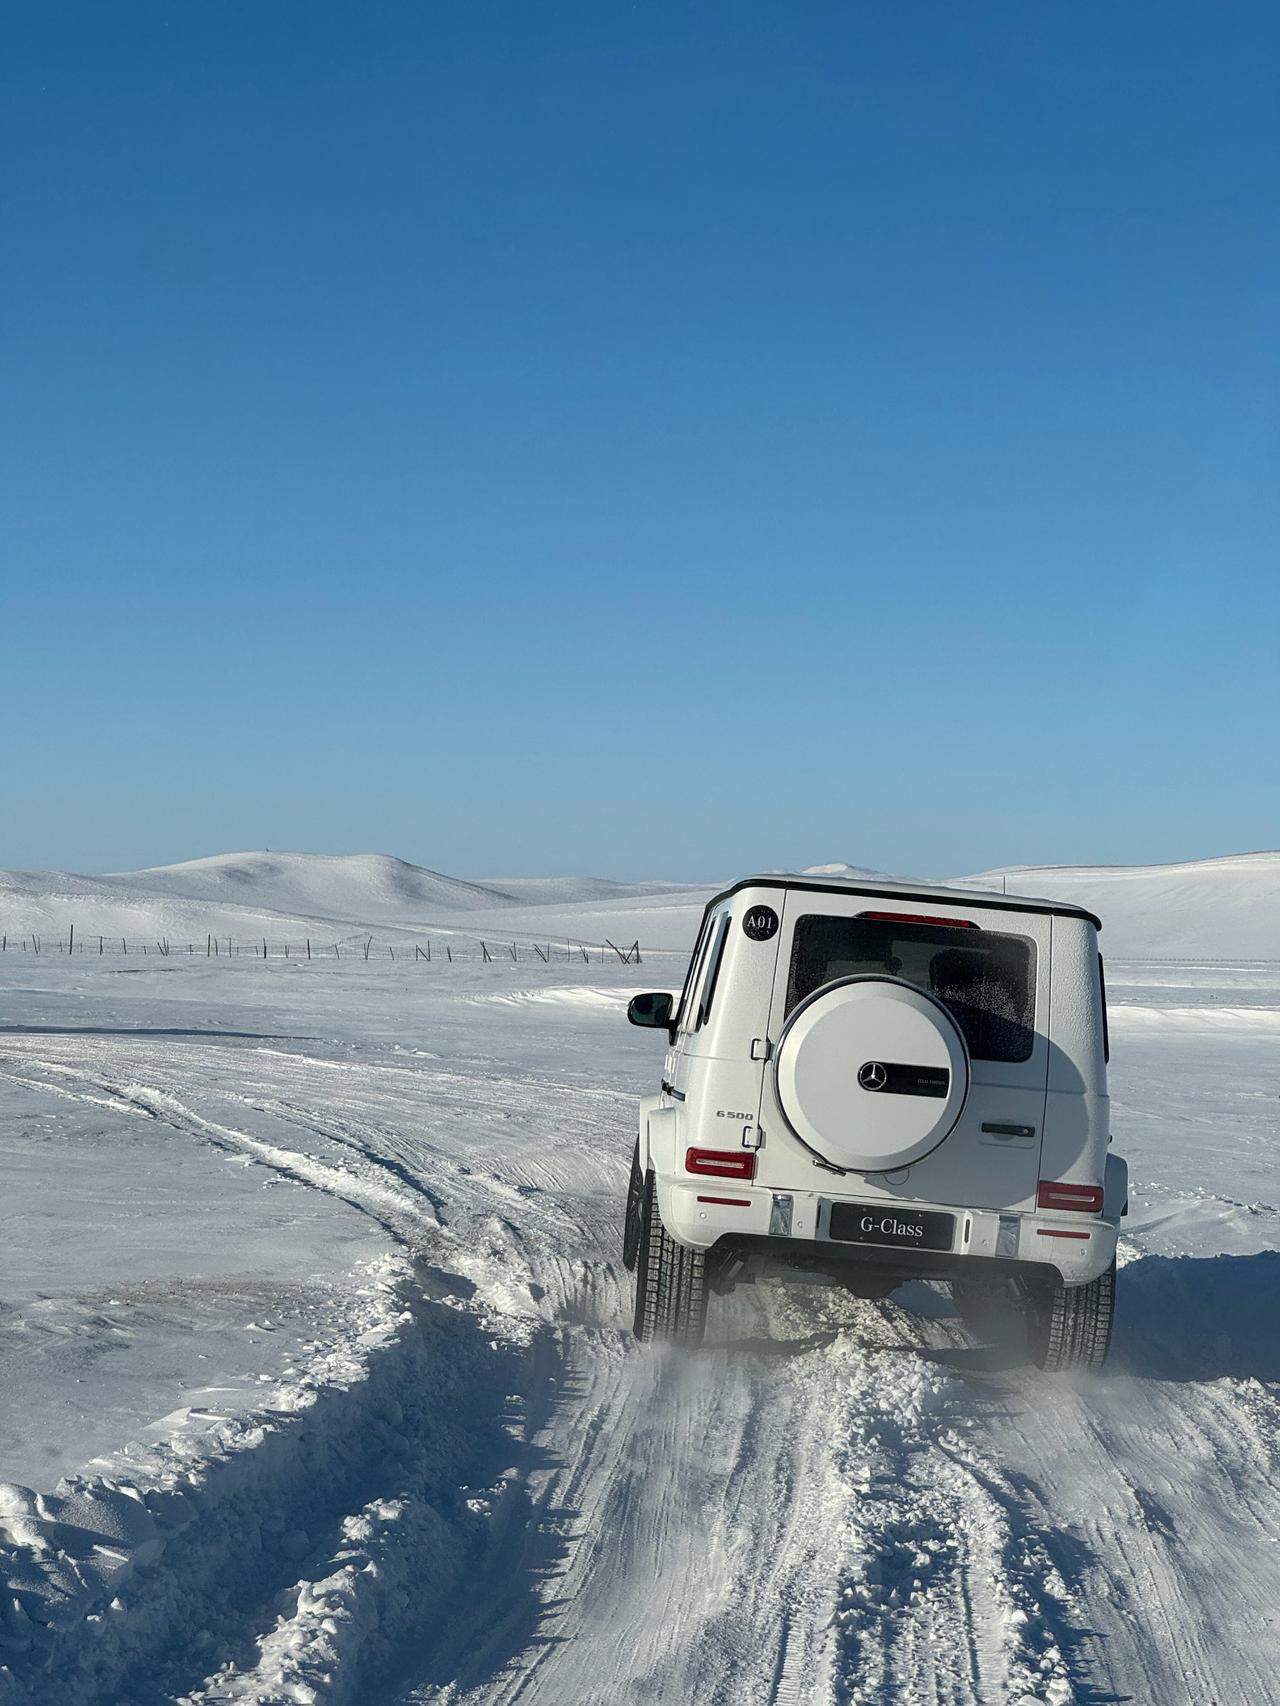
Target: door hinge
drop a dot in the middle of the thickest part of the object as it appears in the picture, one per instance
(752, 1137)
(761, 1048)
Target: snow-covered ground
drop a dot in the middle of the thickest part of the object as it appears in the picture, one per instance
(316, 1384)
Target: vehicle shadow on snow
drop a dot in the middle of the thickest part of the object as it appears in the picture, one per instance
(1199, 1317)
(1180, 1318)
(776, 1349)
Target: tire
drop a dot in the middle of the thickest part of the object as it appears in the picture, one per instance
(634, 1213)
(671, 1282)
(1070, 1326)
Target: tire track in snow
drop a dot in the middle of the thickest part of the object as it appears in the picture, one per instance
(808, 1527)
(718, 1505)
(280, 1545)
(393, 1210)
(433, 1118)
(301, 1642)
(1165, 1500)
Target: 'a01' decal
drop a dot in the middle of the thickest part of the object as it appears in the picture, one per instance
(760, 923)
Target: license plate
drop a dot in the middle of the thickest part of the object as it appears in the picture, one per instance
(902, 1228)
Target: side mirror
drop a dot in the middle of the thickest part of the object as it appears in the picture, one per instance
(653, 1011)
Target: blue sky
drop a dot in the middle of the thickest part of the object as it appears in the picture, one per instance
(647, 439)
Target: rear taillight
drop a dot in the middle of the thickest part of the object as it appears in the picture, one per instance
(721, 1163)
(1086, 1199)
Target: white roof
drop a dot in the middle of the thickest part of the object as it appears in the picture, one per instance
(892, 889)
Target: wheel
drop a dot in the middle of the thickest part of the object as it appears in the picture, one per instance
(671, 1282)
(1070, 1326)
(634, 1212)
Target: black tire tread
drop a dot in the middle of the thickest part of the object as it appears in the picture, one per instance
(1073, 1324)
(671, 1283)
(634, 1212)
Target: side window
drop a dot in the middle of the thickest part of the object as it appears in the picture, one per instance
(693, 1012)
(691, 976)
(713, 972)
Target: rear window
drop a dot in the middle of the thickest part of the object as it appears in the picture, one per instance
(986, 980)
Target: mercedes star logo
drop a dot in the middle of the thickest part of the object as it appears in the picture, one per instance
(873, 1076)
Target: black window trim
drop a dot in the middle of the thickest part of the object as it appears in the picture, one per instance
(713, 971)
(695, 966)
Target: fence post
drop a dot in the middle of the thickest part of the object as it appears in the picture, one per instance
(308, 947)
(71, 940)
(448, 950)
(488, 956)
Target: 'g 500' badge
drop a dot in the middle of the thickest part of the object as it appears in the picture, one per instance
(760, 923)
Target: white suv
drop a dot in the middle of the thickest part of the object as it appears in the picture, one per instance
(874, 1082)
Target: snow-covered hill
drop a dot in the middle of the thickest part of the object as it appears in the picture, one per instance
(369, 887)
(1217, 909)
(572, 891)
(1227, 908)
(246, 895)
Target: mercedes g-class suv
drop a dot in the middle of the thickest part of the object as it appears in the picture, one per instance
(873, 1082)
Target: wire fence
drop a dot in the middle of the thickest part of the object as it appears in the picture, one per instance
(421, 951)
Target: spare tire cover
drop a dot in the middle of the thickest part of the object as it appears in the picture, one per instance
(871, 1073)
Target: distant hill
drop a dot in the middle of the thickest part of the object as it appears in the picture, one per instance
(572, 891)
(366, 887)
(839, 870)
(328, 896)
(1226, 908)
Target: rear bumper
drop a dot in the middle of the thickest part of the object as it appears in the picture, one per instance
(792, 1227)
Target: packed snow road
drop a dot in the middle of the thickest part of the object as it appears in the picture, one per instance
(329, 1335)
